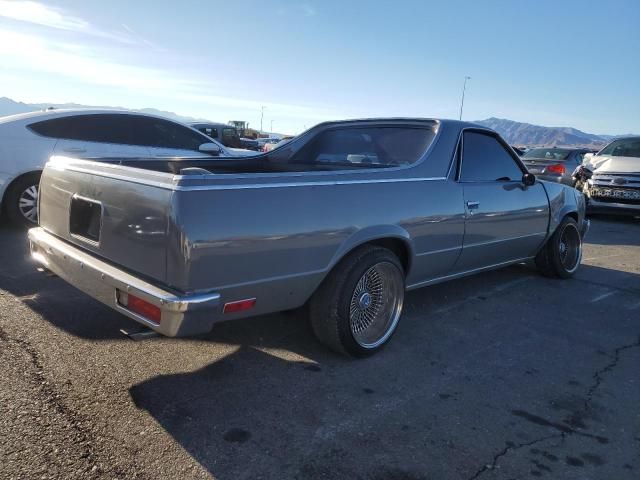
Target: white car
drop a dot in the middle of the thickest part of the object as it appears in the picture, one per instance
(28, 140)
(610, 179)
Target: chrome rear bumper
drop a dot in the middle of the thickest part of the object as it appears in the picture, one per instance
(180, 314)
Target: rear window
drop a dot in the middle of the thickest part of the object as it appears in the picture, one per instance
(367, 147)
(547, 153)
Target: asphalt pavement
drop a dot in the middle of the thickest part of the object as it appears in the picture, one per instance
(505, 375)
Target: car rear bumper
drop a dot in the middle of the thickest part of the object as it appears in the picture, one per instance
(180, 314)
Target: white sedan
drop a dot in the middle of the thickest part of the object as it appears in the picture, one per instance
(28, 140)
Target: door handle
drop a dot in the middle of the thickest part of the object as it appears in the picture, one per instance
(75, 150)
(471, 206)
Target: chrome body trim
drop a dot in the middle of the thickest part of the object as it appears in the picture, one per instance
(467, 272)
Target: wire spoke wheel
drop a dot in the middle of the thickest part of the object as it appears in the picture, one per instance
(570, 248)
(376, 304)
(28, 203)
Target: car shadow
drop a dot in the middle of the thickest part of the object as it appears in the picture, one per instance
(282, 403)
(282, 406)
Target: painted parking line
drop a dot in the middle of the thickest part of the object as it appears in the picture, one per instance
(600, 257)
(603, 296)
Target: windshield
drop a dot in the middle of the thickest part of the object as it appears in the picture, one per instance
(625, 147)
(548, 153)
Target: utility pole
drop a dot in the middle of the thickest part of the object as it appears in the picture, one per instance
(464, 87)
(271, 129)
(261, 117)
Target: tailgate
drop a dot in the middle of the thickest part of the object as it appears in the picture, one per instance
(119, 217)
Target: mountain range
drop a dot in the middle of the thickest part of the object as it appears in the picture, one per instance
(516, 133)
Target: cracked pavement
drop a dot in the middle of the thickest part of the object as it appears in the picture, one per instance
(506, 375)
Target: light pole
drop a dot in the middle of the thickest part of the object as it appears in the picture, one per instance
(464, 87)
(271, 129)
(261, 117)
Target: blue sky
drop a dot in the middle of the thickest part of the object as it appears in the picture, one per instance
(555, 63)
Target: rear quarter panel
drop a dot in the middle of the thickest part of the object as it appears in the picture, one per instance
(563, 200)
(282, 241)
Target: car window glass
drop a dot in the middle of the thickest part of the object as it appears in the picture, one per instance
(103, 128)
(156, 132)
(547, 154)
(212, 132)
(625, 147)
(485, 160)
(362, 147)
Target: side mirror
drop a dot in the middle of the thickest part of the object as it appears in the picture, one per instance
(210, 148)
(528, 179)
(587, 157)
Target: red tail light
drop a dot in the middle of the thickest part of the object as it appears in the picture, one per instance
(557, 169)
(239, 306)
(140, 306)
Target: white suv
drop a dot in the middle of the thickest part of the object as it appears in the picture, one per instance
(28, 140)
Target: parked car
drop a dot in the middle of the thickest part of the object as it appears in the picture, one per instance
(270, 146)
(225, 134)
(28, 140)
(250, 144)
(611, 178)
(307, 223)
(263, 142)
(553, 163)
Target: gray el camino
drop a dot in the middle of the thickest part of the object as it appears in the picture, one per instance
(343, 219)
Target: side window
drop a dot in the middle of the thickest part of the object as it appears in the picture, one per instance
(109, 128)
(212, 132)
(56, 128)
(361, 146)
(484, 159)
(579, 157)
(155, 132)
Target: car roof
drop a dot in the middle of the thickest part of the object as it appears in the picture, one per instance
(209, 124)
(70, 112)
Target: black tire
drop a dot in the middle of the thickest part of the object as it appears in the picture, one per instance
(561, 255)
(344, 318)
(18, 190)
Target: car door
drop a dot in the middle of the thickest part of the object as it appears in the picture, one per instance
(96, 135)
(164, 138)
(505, 220)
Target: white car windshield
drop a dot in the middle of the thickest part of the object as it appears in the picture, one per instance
(625, 147)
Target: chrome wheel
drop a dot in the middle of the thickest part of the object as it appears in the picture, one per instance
(570, 248)
(376, 304)
(28, 203)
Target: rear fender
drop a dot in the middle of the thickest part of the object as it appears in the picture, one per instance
(373, 234)
(563, 201)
